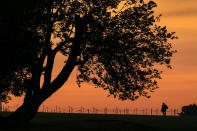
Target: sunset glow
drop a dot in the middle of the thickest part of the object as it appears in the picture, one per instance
(178, 86)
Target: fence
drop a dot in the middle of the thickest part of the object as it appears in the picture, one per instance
(1, 108)
(94, 110)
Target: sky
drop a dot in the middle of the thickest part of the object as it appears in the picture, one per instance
(178, 86)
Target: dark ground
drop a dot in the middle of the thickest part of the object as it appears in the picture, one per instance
(98, 122)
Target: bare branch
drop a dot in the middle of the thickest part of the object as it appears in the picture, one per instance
(48, 70)
(71, 63)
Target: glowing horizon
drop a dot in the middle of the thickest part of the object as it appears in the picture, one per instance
(178, 86)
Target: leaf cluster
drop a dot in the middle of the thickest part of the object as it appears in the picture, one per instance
(20, 45)
(117, 49)
(121, 51)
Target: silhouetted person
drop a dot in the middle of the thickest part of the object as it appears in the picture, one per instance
(164, 108)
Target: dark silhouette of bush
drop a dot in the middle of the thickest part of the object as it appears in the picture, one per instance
(189, 110)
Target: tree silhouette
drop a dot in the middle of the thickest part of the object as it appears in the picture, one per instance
(117, 50)
(189, 110)
(19, 46)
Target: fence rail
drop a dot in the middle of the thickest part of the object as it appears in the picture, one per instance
(94, 110)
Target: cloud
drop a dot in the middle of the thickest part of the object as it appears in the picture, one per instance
(176, 8)
(178, 13)
(183, 1)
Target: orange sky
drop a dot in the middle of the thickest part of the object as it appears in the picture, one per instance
(178, 86)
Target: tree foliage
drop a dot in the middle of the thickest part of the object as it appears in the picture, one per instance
(190, 110)
(120, 52)
(114, 49)
(20, 46)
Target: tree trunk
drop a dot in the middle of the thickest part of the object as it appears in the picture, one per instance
(24, 114)
(34, 94)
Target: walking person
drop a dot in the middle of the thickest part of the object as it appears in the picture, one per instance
(164, 108)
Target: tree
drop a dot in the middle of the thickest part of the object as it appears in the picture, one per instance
(117, 50)
(19, 46)
(189, 110)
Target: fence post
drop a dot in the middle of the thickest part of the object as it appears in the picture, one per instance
(134, 111)
(60, 109)
(116, 110)
(171, 110)
(177, 112)
(47, 109)
(105, 110)
(1, 107)
(70, 109)
(93, 110)
(120, 111)
(43, 108)
(156, 111)
(127, 111)
(81, 109)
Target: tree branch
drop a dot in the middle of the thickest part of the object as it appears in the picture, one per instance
(63, 75)
(48, 49)
(62, 44)
(48, 70)
(80, 28)
(49, 27)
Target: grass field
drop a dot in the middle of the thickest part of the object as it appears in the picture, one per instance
(101, 122)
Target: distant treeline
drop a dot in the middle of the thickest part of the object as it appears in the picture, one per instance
(189, 110)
